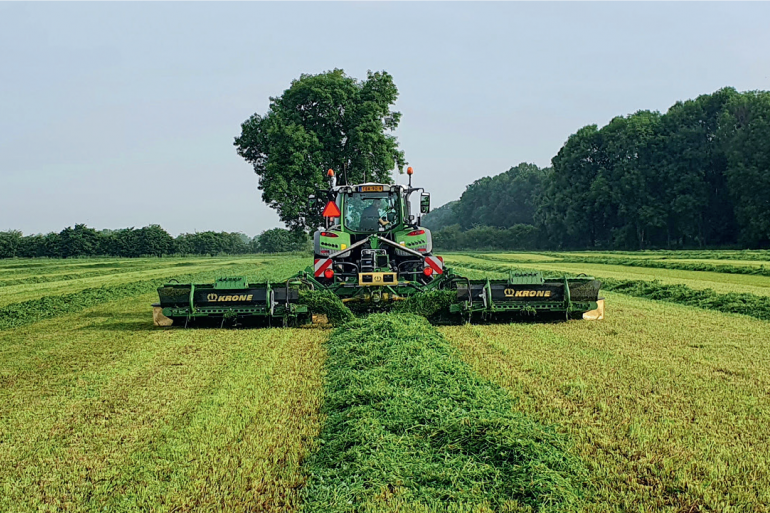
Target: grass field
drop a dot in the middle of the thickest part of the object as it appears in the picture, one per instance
(659, 407)
(719, 282)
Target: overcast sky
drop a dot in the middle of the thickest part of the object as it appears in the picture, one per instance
(119, 115)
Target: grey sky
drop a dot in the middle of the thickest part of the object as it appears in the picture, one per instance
(120, 115)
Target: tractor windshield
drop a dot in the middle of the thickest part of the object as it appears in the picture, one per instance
(370, 212)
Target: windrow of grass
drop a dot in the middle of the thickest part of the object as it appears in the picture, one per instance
(63, 273)
(27, 312)
(759, 270)
(720, 282)
(122, 275)
(42, 266)
(715, 254)
(410, 427)
(746, 304)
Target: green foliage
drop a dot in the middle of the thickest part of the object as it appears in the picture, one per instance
(323, 121)
(152, 240)
(280, 240)
(79, 241)
(10, 243)
(409, 423)
(602, 191)
(440, 217)
(503, 200)
(517, 237)
(746, 136)
(211, 243)
(698, 175)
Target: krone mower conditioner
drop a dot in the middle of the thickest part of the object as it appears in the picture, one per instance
(373, 254)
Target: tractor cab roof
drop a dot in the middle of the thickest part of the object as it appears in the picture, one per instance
(368, 187)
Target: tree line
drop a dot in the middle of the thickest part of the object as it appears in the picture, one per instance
(696, 176)
(153, 240)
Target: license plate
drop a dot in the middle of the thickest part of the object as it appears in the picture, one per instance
(371, 188)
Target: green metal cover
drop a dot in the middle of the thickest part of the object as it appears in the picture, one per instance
(231, 282)
(525, 278)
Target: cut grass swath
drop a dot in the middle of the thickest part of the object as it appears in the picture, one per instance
(747, 304)
(327, 303)
(27, 312)
(760, 270)
(409, 425)
(665, 404)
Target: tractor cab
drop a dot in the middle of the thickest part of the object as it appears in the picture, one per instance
(371, 208)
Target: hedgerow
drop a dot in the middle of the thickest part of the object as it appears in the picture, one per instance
(409, 423)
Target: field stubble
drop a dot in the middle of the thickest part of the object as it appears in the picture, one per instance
(667, 405)
(99, 411)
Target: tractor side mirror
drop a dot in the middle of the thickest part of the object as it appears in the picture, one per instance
(424, 203)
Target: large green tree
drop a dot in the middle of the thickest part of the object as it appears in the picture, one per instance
(503, 200)
(571, 212)
(322, 121)
(745, 134)
(692, 163)
(279, 240)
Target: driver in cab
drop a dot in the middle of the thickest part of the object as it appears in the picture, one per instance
(372, 217)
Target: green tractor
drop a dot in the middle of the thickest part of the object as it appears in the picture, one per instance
(372, 254)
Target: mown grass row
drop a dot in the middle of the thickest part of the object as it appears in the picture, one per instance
(56, 273)
(410, 427)
(746, 304)
(117, 276)
(29, 280)
(760, 270)
(34, 310)
(715, 254)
